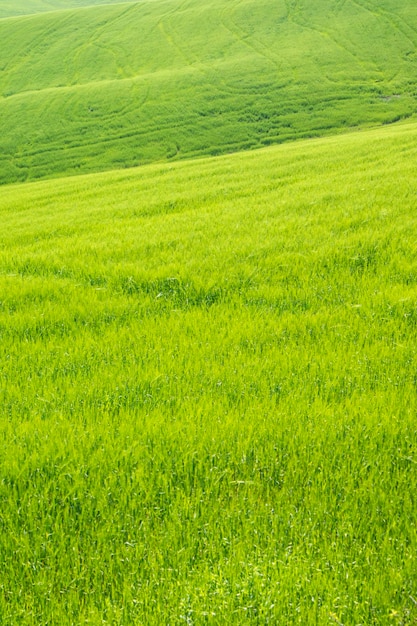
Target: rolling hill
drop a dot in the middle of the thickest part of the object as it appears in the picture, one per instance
(31, 7)
(122, 84)
(208, 365)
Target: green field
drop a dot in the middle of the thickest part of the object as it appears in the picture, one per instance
(208, 363)
(14, 8)
(122, 84)
(208, 390)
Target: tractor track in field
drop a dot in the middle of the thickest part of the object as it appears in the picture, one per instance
(36, 43)
(109, 138)
(243, 37)
(340, 4)
(293, 6)
(169, 34)
(388, 17)
(253, 45)
(398, 24)
(98, 32)
(191, 59)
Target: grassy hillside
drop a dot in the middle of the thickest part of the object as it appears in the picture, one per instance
(116, 86)
(208, 398)
(10, 8)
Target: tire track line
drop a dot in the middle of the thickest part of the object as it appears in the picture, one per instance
(341, 46)
(243, 37)
(388, 16)
(192, 60)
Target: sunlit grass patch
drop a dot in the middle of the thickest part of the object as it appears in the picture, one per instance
(207, 390)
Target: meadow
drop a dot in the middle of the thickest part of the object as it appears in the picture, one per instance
(15, 8)
(208, 389)
(123, 84)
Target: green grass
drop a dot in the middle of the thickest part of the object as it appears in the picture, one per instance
(14, 8)
(104, 87)
(208, 390)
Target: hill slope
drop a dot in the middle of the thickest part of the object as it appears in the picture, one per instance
(29, 7)
(208, 390)
(116, 86)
